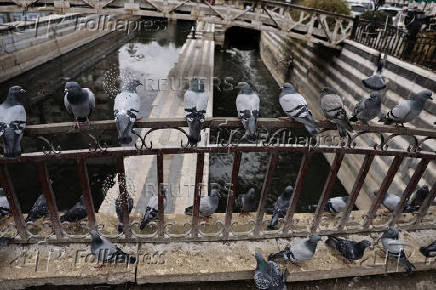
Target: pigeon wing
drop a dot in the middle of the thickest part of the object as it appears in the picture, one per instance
(247, 102)
(294, 105)
(91, 100)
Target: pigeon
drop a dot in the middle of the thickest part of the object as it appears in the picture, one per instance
(4, 241)
(247, 201)
(333, 205)
(38, 210)
(391, 202)
(12, 122)
(429, 251)
(4, 204)
(394, 248)
(119, 210)
(420, 195)
(76, 213)
(350, 250)
(107, 252)
(195, 103)
(280, 207)
(247, 104)
(208, 204)
(126, 108)
(367, 109)
(333, 108)
(80, 103)
(295, 106)
(152, 210)
(376, 82)
(268, 275)
(407, 110)
(299, 251)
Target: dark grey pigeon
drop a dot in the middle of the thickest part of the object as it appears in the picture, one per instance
(299, 251)
(429, 251)
(247, 104)
(350, 250)
(126, 109)
(333, 205)
(12, 122)
(333, 109)
(119, 211)
(268, 275)
(106, 252)
(152, 210)
(76, 213)
(394, 248)
(419, 197)
(38, 210)
(247, 201)
(376, 81)
(208, 204)
(80, 103)
(280, 207)
(367, 109)
(4, 241)
(407, 110)
(195, 104)
(295, 106)
(4, 204)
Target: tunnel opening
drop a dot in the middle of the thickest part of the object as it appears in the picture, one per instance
(242, 38)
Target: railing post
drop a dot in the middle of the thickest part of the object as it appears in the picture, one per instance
(232, 193)
(124, 196)
(197, 193)
(14, 204)
(160, 195)
(355, 25)
(426, 204)
(86, 192)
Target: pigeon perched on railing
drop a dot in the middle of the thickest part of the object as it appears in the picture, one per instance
(407, 110)
(268, 275)
(208, 204)
(195, 104)
(247, 104)
(350, 250)
(119, 210)
(295, 106)
(80, 103)
(152, 210)
(12, 122)
(299, 251)
(429, 251)
(5, 209)
(38, 210)
(333, 109)
(419, 197)
(76, 213)
(126, 109)
(281, 207)
(333, 205)
(367, 109)
(376, 81)
(394, 248)
(247, 201)
(106, 252)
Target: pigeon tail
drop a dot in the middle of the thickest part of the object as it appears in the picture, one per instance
(331, 241)
(310, 126)
(150, 214)
(274, 222)
(425, 251)
(343, 127)
(188, 210)
(280, 256)
(409, 267)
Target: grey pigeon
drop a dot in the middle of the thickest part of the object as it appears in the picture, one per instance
(247, 104)
(126, 109)
(333, 108)
(208, 204)
(350, 250)
(419, 197)
(195, 103)
(12, 122)
(295, 106)
(247, 201)
(394, 248)
(4, 204)
(106, 252)
(119, 210)
(268, 275)
(376, 82)
(76, 213)
(333, 205)
(280, 207)
(152, 210)
(38, 210)
(429, 251)
(367, 109)
(407, 110)
(80, 103)
(299, 251)
(391, 202)
(4, 241)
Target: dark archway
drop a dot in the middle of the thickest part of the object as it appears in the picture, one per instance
(242, 38)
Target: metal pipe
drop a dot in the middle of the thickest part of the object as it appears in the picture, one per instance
(233, 191)
(86, 192)
(124, 196)
(197, 194)
(160, 196)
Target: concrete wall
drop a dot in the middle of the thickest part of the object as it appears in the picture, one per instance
(311, 68)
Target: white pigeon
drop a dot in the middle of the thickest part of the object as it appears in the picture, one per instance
(195, 104)
(80, 103)
(247, 104)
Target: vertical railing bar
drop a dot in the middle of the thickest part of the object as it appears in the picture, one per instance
(232, 192)
(50, 198)
(86, 191)
(298, 188)
(14, 204)
(426, 204)
(197, 194)
(409, 189)
(160, 195)
(265, 188)
(366, 165)
(331, 178)
(124, 196)
(383, 189)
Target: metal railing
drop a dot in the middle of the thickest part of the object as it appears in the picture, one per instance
(271, 131)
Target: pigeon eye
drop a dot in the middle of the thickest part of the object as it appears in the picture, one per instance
(202, 120)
